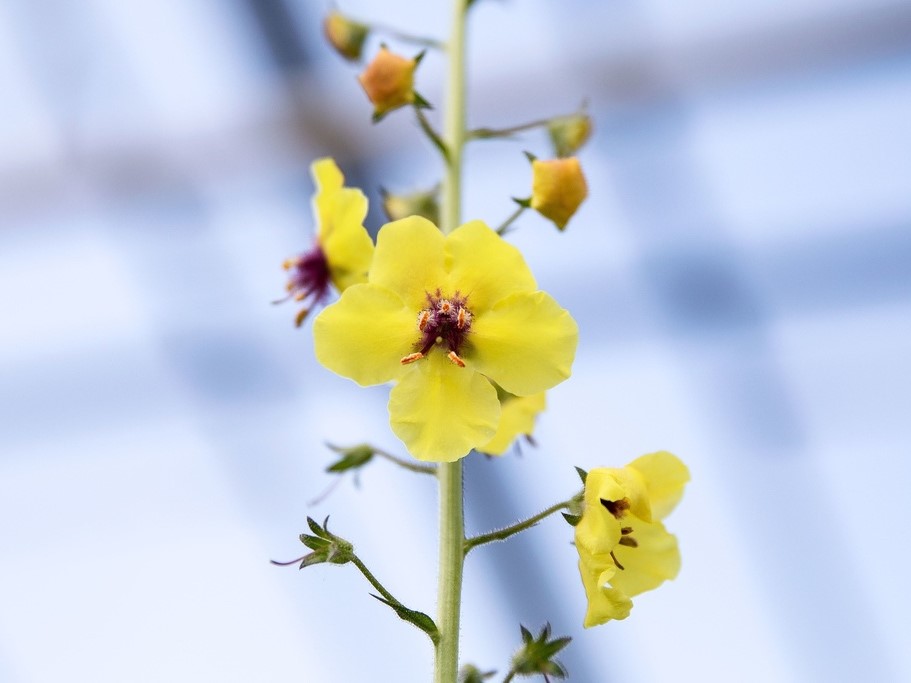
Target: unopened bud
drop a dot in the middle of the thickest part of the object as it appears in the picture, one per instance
(424, 203)
(345, 35)
(569, 133)
(389, 82)
(558, 188)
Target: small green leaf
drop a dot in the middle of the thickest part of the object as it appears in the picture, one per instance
(582, 474)
(419, 619)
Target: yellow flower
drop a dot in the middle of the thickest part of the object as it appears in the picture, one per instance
(443, 317)
(557, 189)
(389, 82)
(517, 418)
(343, 249)
(623, 547)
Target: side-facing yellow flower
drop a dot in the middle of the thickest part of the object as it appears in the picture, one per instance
(558, 188)
(346, 35)
(443, 317)
(343, 249)
(623, 547)
(517, 418)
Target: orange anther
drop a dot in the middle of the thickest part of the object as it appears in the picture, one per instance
(423, 318)
(411, 358)
(454, 357)
(463, 318)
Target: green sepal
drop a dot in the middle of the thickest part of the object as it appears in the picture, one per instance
(536, 654)
(572, 520)
(531, 157)
(419, 619)
(472, 674)
(524, 203)
(583, 475)
(419, 101)
(352, 458)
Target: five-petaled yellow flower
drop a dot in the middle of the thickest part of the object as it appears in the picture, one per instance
(443, 317)
(343, 249)
(623, 547)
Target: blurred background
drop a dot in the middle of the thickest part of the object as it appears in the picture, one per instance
(740, 274)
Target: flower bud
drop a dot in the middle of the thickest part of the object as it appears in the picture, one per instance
(389, 82)
(569, 133)
(345, 35)
(558, 188)
(423, 203)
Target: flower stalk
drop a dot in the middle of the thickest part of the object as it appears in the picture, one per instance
(503, 534)
(452, 514)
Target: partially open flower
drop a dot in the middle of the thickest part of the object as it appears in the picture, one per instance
(444, 317)
(345, 35)
(517, 419)
(389, 82)
(623, 547)
(558, 188)
(342, 252)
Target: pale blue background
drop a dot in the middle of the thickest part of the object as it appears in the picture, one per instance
(740, 275)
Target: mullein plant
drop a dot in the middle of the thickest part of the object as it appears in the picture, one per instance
(449, 314)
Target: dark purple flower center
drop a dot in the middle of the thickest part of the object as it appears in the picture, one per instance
(308, 280)
(445, 322)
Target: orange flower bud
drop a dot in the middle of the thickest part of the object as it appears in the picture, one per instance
(558, 188)
(345, 35)
(389, 82)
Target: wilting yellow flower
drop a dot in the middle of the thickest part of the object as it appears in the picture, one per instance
(443, 317)
(343, 249)
(389, 82)
(345, 35)
(557, 189)
(517, 418)
(623, 547)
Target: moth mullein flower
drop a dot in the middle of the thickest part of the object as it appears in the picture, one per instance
(569, 133)
(558, 188)
(517, 419)
(444, 317)
(342, 251)
(388, 81)
(624, 549)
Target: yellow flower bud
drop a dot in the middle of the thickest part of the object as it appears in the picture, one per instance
(389, 82)
(345, 35)
(569, 133)
(558, 188)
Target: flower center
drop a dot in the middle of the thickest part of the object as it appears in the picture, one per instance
(445, 323)
(309, 278)
(618, 509)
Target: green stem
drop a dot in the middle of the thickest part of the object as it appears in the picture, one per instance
(509, 221)
(407, 37)
(503, 534)
(401, 462)
(356, 561)
(452, 515)
(485, 133)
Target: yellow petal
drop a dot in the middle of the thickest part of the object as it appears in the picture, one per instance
(485, 267)
(598, 532)
(665, 476)
(346, 244)
(409, 260)
(441, 411)
(604, 602)
(326, 175)
(653, 561)
(517, 418)
(364, 335)
(525, 343)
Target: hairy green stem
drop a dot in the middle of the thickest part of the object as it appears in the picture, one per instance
(452, 515)
(356, 561)
(407, 464)
(503, 534)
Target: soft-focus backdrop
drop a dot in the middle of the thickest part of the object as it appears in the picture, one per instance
(741, 274)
